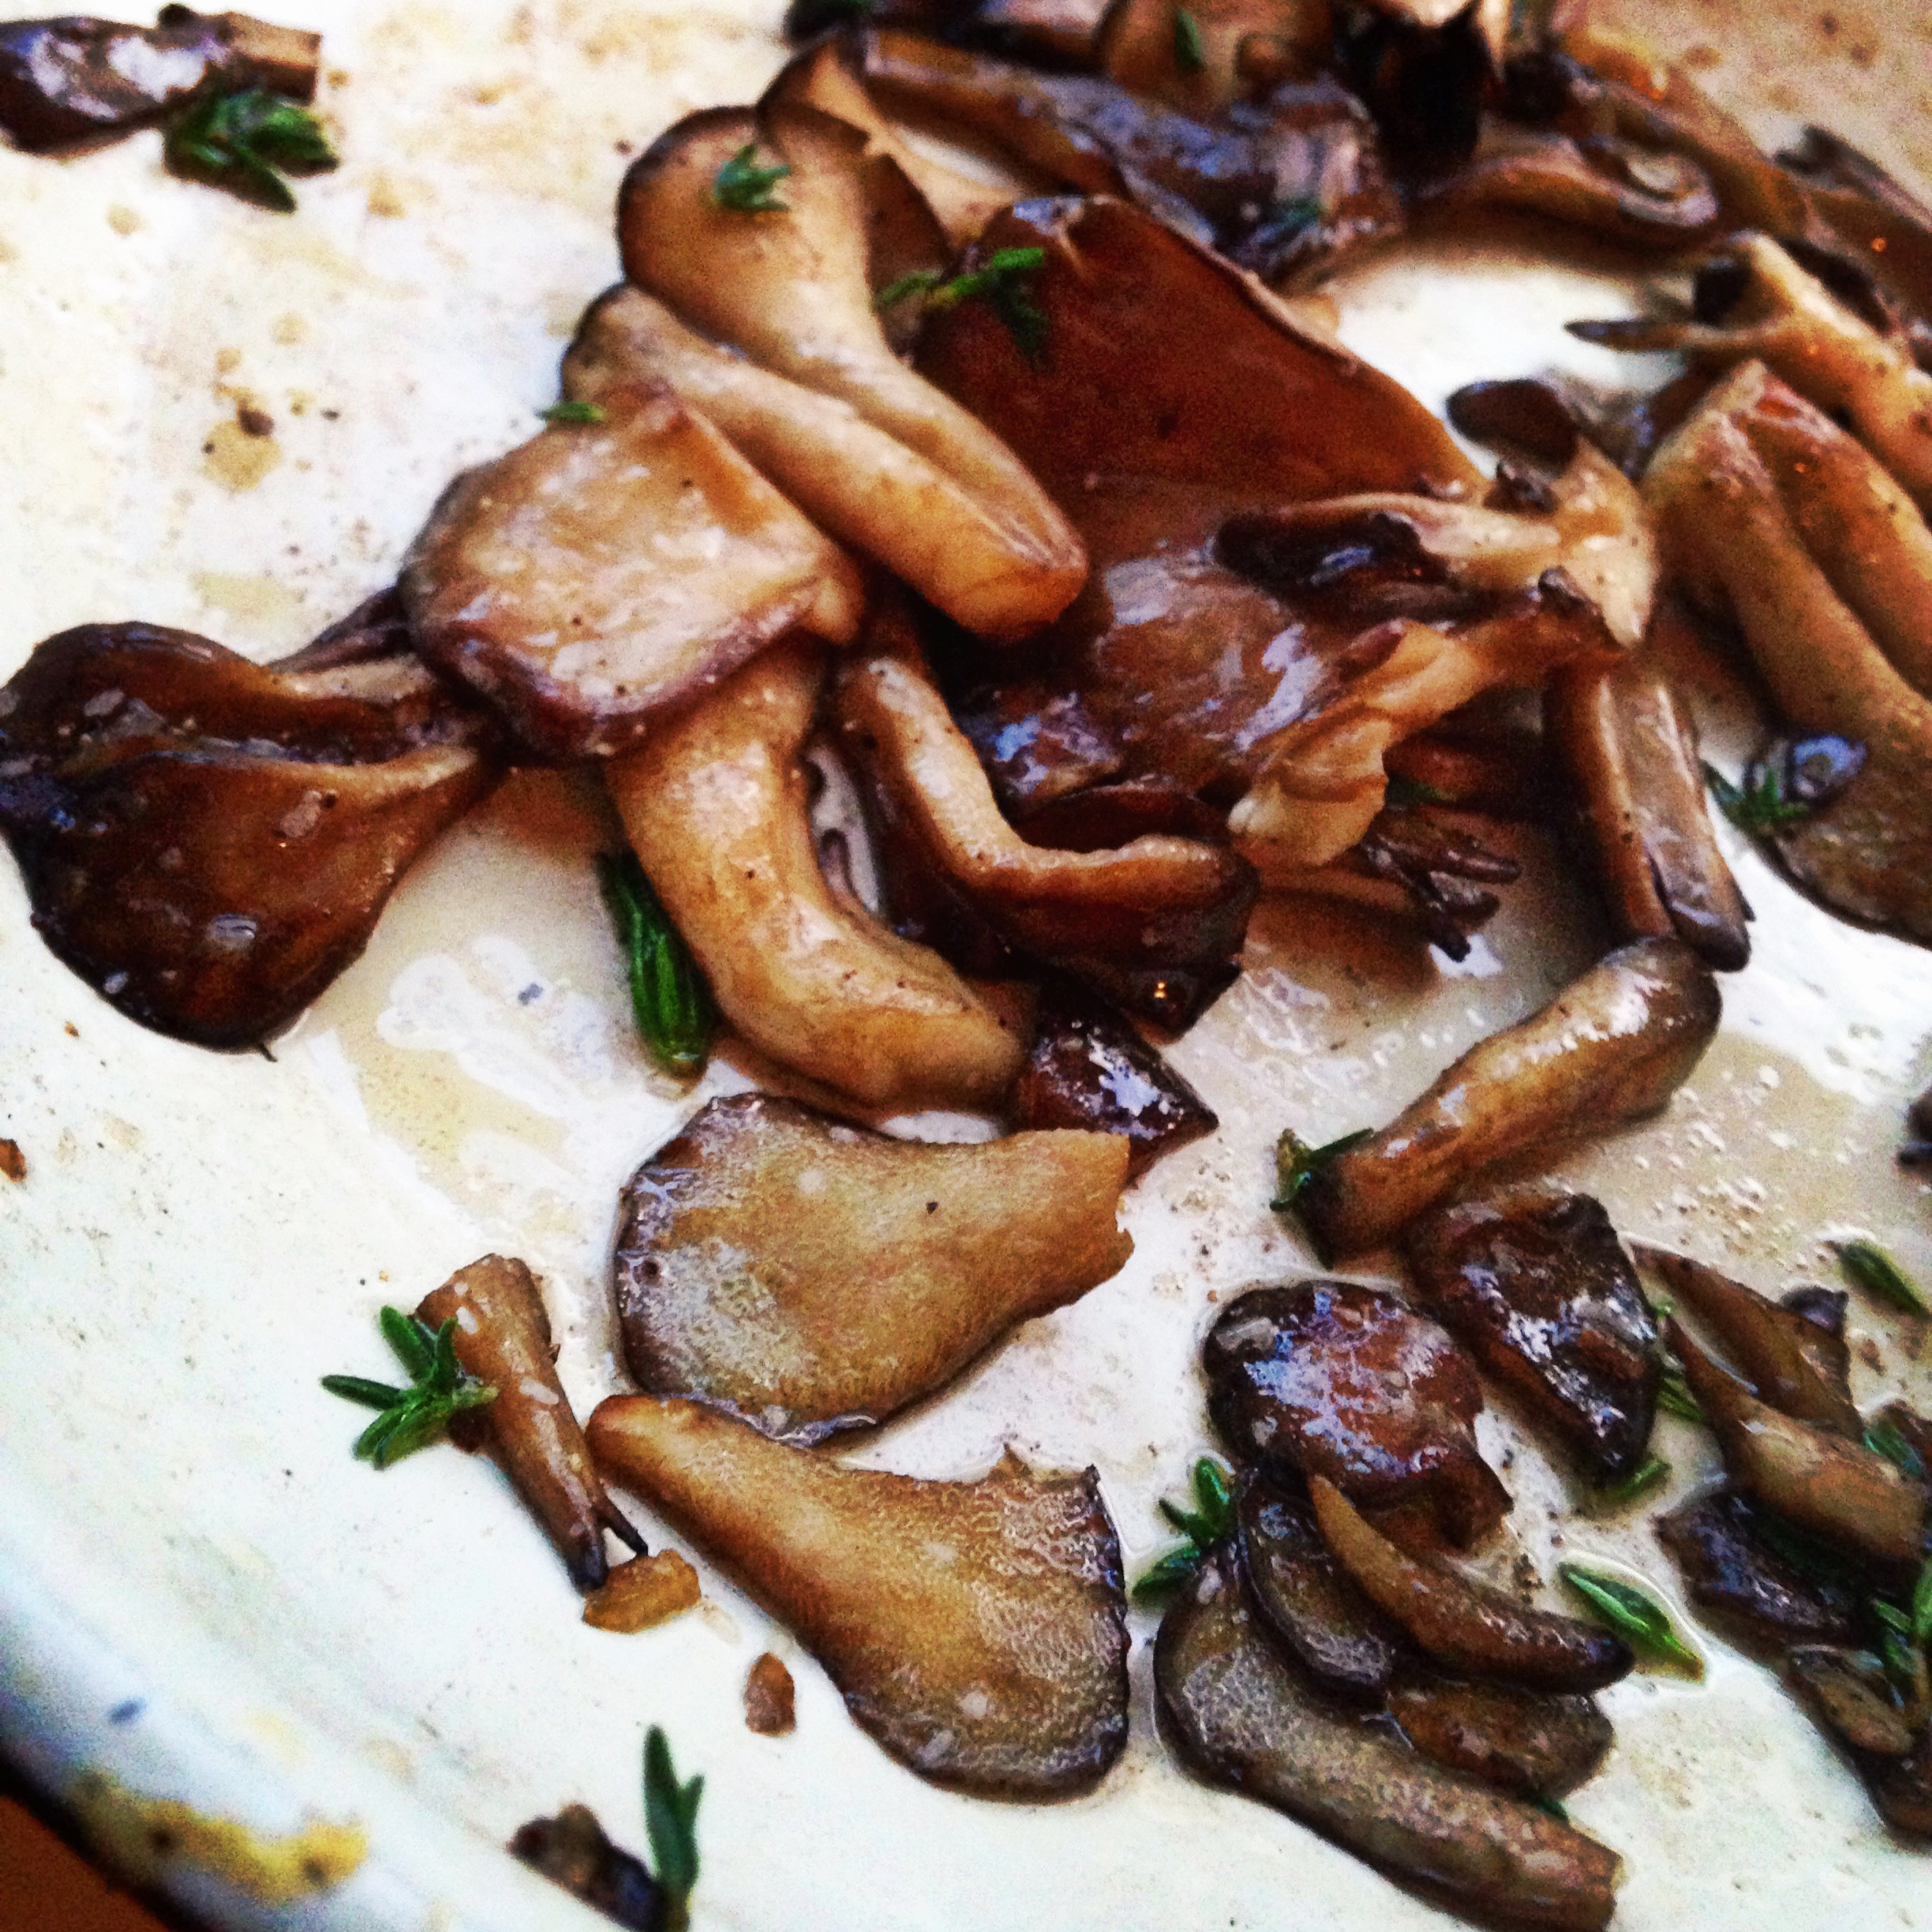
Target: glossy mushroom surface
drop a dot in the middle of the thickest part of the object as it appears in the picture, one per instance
(1001, 1671)
(1733, 1569)
(810, 1276)
(1537, 1744)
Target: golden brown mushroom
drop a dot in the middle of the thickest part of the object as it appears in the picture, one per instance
(977, 1629)
(715, 807)
(1537, 1744)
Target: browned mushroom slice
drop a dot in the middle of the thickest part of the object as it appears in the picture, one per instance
(1849, 1695)
(1731, 1568)
(571, 1850)
(1774, 312)
(792, 288)
(1901, 1787)
(1305, 1597)
(1236, 49)
(1536, 1283)
(1157, 924)
(605, 572)
(502, 1337)
(1280, 189)
(208, 843)
(1088, 1068)
(1534, 1742)
(810, 1276)
(1241, 1717)
(1837, 1489)
(977, 1631)
(1630, 745)
(1340, 1380)
(1611, 1047)
(1795, 1363)
(715, 807)
(1466, 1626)
(71, 79)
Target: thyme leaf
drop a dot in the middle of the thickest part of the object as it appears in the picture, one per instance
(743, 186)
(1887, 1439)
(439, 1389)
(1634, 1614)
(1648, 1475)
(1297, 1163)
(1206, 1524)
(1758, 807)
(1190, 51)
(671, 1823)
(669, 994)
(570, 411)
(915, 282)
(1867, 1266)
(245, 142)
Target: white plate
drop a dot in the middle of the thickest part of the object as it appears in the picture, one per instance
(202, 1598)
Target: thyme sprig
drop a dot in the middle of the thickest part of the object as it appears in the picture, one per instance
(673, 1006)
(1758, 807)
(1190, 51)
(439, 1389)
(1212, 1519)
(743, 186)
(1634, 1614)
(1297, 1163)
(671, 1823)
(570, 410)
(245, 142)
(1867, 1266)
(998, 281)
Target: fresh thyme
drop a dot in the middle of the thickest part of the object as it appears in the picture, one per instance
(1649, 1474)
(1212, 1519)
(439, 1389)
(998, 281)
(573, 411)
(1190, 51)
(669, 994)
(1634, 1614)
(743, 186)
(1759, 806)
(245, 142)
(1297, 1164)
(1867, 1266)
(671, 1823)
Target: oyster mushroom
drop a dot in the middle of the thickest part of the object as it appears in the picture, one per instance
(1836, 1488)
(792, 289)
(1537, 1744)
(1465, 1626)
(1613, 1047)
(1535, 1282)
(1238, 48)
(1733, 1570)
(1240, 1716)
(502, 1337)
(1850, 1697)
(208, 842)
(714, 805)
(977, 1631)
(605, 573)
(1341, 1379)
(1158, 923)
(810, 1276)
(1770, 512)
(1770, 311)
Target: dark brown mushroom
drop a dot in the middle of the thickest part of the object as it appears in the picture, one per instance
(1535, 1282)
(1613, 1047)
(1464, 1626)
(571, 1850)
(208, 842)
(1241, 1716)
(1901, 1787)
(502, 1337)
(71, 79)
(1796, 1363)
(810, 1276)
(1238, 50)
(1306, 1598)
(1535, 1743)
(1839, 1490)
(1848, 1692)
(1733, 1568)
(977, 1631)
(1088, 1068)
(1340, 1380)
(769, 1697)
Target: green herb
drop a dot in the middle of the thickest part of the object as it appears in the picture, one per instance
(1760, 806)
(245, 142)
(1212, 1519)
(1867, 1266)
(1886, 1438)
(1190, 51)
(743, 186)
(667, 993)
(1648, 1475)
(1550, 1807)
(1405, 793)
(413, 1416)
(917, 281)
(1921, 1607)
(1634, 1614)
(573, 411)
(1674, 1396)
(997, 281)
(1297, 1163)
(671, 1820)
(1289, 218)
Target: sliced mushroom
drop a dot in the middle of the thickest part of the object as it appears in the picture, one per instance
(1464, 1626)
(1630, 746)
(1423, 68)
(1340, 1380)
(977, 1631)
(1848, 1694)
(1901, 1787)
(1236, 49)
(809, 1276)
(793, 290)
(715, 807)
(1731, 1567)
(1796, 1364)
(1157, 924)
(1087, 1068)
(69, 80)
(571, 1850)
(502, 1337)
(1837, 1489)
(1282, 190)
(1241, 1717)
(1535, 1743)
(1774, 312)
(605, 573)
(208, 842)
(1611, 1047)
(1535, 1282)
(1305, 1597)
